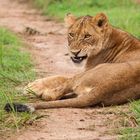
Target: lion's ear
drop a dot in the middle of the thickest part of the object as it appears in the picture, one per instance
(100, 20)
(69, 19)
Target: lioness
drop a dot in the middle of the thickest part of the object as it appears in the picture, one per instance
(112, 67)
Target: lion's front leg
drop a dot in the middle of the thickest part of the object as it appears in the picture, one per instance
(50, 88)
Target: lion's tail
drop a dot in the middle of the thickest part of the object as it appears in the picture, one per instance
(31, 107)
(18, 107)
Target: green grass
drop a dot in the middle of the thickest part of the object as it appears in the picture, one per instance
(121, 13)
(132, 133)
(16, 70)
(124, 14)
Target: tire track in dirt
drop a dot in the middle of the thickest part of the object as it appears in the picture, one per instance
(49, 54)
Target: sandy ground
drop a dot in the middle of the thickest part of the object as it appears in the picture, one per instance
(48, 47)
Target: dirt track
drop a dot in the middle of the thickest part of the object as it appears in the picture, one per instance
(49, 53)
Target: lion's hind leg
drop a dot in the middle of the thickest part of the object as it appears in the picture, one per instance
(123, 96)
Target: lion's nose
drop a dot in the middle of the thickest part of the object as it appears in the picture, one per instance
(75, 52)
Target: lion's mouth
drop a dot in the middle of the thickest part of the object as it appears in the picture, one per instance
(78, 59)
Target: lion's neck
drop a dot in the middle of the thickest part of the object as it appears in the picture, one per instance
(116, 44)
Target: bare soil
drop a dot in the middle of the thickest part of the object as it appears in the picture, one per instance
(46, 41)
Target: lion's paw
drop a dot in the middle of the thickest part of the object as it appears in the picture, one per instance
(37, 87)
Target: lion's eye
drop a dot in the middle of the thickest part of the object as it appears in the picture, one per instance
(87, 36)
(71, 35)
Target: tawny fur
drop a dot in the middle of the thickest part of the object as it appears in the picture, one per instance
(112, 67)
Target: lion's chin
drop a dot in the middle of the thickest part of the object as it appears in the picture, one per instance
(81, 64)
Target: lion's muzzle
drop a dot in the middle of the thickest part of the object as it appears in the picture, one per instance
(78, 59)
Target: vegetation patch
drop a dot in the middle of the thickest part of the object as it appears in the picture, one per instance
(16, 70)
(132, 131)
(122, 13)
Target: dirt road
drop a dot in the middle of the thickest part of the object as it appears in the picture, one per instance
(47, 41)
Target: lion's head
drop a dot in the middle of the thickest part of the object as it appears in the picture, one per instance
(86, 36)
